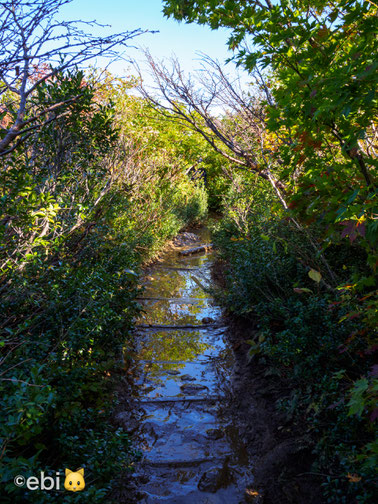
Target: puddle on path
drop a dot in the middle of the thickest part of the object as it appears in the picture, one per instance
(192, 453)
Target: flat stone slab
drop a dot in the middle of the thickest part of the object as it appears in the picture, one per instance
(162, 400)
(186, 377)
(192, 387)
(196, 250)
(185, 238)
(179, 463)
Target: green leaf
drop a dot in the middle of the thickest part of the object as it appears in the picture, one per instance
(130, 272)
(300, 290)
(315, 275)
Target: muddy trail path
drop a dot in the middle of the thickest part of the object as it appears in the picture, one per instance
(192, 452)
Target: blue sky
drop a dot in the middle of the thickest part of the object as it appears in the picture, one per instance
(185, 40)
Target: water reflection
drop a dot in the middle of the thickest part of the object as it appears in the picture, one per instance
(171, 312)
(172, 345)
(182, 381)
(172, 284)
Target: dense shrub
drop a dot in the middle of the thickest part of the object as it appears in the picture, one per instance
(67, 325)
(80, 214)
(310, 334)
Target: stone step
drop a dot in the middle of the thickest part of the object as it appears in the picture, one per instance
(196, 250)
(153, 361)
(176, 268)
(179, 300)
(182, 446)
(165, 327)
(182, 462)
(193, 399)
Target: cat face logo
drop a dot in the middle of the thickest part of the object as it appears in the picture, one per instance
(74, 480)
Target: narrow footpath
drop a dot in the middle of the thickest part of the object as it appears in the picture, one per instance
(192, 452)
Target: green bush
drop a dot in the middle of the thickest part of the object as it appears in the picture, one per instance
(308, 333)
(79, 216)
(55, 409)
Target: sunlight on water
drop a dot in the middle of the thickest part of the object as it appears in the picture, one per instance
(183, 366)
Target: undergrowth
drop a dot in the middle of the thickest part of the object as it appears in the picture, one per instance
(309, 332)
(80, 213)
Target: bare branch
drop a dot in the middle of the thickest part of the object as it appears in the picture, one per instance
(32, 39)
(231, 120)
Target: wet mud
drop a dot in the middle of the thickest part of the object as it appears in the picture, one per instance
(280, 451)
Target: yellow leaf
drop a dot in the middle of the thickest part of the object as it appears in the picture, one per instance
(315, 275)
(251, 492)
(353, 478)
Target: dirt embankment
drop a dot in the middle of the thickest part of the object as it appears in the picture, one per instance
(281, 451)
